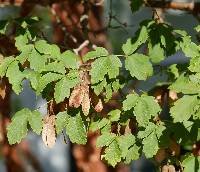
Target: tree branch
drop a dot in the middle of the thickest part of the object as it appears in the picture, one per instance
(193, 7)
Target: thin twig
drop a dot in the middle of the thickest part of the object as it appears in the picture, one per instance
(99, 3)
(84, 44)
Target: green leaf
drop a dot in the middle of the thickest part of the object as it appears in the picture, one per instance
(194, 64)
(3, 26)
(133, 44)
(184, 85)
(99, 124)
(114, 115)
(43, 47)
(69, 59)
(62, 88)
(15, 77)
(133, 154)
(49, 49)
(98, 88)
(150, 151)
(33, 77)
(108, 89)
(180, 32)
(145, 108)
(116, 85)
(76, 130)
(125, 142)
(135, 5)
(195, 79)
(4, 65)
(174, 70)
(191, 163)
(188, 47)
(191, 50)
(105, 139)
(139, 66)
(37, 61)
(102, 123)
(54, 67)
(21, 41)
(46, 79)
(183, 108)
(151, 134)
(35, 121)
(17, 129)
(106, 65)
(23, 56)
(98, 52)
(130, 101)
(156, 53)
(61, 121)
(106, 128)
(197, 28)
(112, 154)
(54, 51)
(148, 130)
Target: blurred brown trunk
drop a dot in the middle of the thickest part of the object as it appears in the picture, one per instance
(12, 161)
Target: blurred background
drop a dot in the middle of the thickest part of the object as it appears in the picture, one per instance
(60, 158)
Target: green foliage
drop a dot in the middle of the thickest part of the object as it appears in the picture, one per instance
(61, 121)
(137, 121)
(191, 163)
(17, 129)
(136, 4)
(15, 76)
(125, 143)
(114, 115)
(184, 108)
(130, 101)
(69, 59)
(105, 66)
(105, 139)
(35, 121)
(4, 65)
(76, 130)
(46, 79)
(144, 107)
(98, 52)
(139, 66)
(151, 134)
(113, 153)
(133, 44)
(62, 88)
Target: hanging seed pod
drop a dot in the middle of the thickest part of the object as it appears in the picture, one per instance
(99, 106)
(48, 131)
(76, 97)
(86, 102)
(168, 168)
